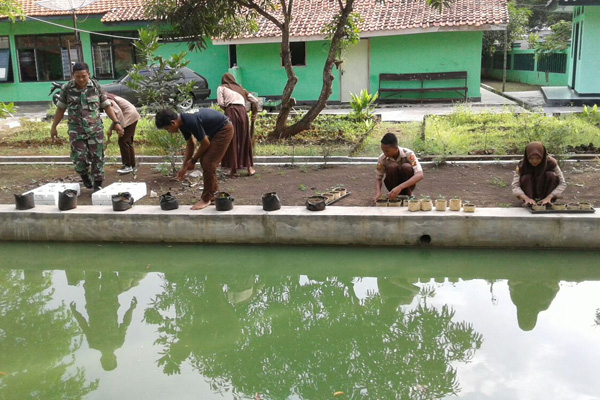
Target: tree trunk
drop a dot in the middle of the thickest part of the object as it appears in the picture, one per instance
(286, 98)
(281, 131)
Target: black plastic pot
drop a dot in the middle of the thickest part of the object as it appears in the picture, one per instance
(122, 201)
(24, 201)
(223, 201)
(316, 203)
(271, 202)
(67, 200)
(168, 202)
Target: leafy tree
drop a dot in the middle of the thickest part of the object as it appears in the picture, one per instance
(201, 19)
(557, 41)
(237, 332)
(37, 341)
(541, 15)
(12, 10)
(518, 27)
(158, 90)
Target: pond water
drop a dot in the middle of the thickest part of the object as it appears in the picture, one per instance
(122, 321)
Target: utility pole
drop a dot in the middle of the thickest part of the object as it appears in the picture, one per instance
(505, 58)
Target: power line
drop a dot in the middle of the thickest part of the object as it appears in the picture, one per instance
(80, 30)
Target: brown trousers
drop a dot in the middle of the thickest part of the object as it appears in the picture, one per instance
(551, 181)
(396, 174)
(212, 158)
(126, 145)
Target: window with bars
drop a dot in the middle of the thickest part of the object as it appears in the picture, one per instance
(524, 62)
(113, 57)
(46, 57)
(556, 62)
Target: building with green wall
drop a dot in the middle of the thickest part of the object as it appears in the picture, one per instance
(584, 62)
(398, 36)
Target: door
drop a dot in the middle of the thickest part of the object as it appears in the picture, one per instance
(354, 71)
(575, 54)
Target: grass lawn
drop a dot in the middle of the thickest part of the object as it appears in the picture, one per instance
(462, 132)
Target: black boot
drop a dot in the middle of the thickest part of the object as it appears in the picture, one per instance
(87, 181)
(97, 185)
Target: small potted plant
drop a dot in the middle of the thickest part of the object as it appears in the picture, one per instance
(557, 206)
(396, 202)
(329, 197)
(271, 202)
(426, 203)
(223, 201)
(538, 206)
(455, 204)
(584, 205)
(382, 201)
(414, 204)
(315, 203)
(573, 206)
(468, 207)
(341, 189)
(440, 203)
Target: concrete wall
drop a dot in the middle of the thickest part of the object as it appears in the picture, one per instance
(429, 52)
(365, 226)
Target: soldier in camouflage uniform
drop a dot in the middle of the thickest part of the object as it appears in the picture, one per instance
(84, 99)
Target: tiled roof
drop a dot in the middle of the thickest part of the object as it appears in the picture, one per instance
(391, 15)
(309, 16)
(124, 10)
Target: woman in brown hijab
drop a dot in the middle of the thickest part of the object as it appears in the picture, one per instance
(538, 177)
(232, 98)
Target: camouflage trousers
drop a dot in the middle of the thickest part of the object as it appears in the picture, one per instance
(87, 154)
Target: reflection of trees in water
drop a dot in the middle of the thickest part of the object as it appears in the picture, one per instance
(35, 341)
(597, 320)
(309, 340)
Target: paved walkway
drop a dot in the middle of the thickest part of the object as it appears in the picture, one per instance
(516, 102)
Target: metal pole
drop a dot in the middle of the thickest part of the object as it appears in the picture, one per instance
(505, 58)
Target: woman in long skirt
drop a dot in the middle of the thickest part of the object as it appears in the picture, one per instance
(232, 98)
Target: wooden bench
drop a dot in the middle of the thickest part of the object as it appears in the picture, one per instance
(424, 83)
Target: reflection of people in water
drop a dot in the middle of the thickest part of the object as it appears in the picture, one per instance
(102, 329)
(396, 292)
(531, 298)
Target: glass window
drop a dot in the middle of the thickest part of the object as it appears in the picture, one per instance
(46, 57)
(113, 57)
(5, 63)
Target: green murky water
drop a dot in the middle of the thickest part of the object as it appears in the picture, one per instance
(179, 322)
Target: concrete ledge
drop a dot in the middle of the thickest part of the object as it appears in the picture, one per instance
(365, 226)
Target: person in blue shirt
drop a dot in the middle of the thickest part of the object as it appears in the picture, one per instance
(212, 131)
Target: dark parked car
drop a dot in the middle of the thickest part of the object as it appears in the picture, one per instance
(200, 91)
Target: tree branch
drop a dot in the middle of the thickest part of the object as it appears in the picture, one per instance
(253, 6)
